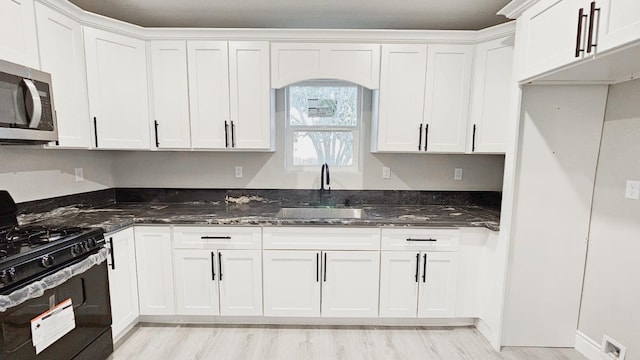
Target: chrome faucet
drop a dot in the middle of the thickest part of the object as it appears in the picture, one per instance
(324, 177)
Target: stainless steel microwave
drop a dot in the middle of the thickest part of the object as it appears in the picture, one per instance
(26, 106)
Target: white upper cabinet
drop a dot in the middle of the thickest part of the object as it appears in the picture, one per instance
(62, 55)
(447, 94)
(295, 62)
(251, 99)
(209, 94)
(620, 22)
(18, 41)
(399, 124)
(170, 94)
(492, 86)
(118, 96)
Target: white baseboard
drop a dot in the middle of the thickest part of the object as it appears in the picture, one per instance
(587, 347)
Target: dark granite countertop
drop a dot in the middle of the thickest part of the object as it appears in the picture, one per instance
(118, 216)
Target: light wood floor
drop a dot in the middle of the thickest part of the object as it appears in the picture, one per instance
(300, 343)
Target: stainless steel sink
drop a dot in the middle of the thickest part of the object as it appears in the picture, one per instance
(321, 213)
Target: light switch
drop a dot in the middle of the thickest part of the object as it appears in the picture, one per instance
(386, 172)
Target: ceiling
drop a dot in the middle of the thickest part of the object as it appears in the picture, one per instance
(318, 14)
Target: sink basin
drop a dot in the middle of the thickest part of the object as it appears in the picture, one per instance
(321, 213)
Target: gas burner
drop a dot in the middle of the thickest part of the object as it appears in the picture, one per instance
(16, 239)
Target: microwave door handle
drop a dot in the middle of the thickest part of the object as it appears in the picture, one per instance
(33, 99)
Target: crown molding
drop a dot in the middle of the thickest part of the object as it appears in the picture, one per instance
(515, 8)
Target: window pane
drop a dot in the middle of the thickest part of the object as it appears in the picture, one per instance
(312, 148)
(323, 105)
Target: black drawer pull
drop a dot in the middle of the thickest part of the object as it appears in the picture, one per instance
(429, 239)
(579, 49)
(213, 266)
(215, 237)
(424, 271)
(220, 265)
(113, 256)
(420, 138)
(417, 266)
(592, 14)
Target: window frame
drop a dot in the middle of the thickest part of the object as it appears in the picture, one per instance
(356, 130)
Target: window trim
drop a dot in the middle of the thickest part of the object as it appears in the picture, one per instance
(356, 130)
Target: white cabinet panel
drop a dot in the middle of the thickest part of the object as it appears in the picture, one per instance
(401, 104)
(208, 93)
(217, 237)
(321, 238)
(118, 96)
(250, 95)
(399, 274)
(492, 86)
(619, 23)
(123, 282)
(155, 271)
(62, 55)
(356, 63)
(170, 94)
(291, 283)
(437, 292)
(447, 93)
(350, 283)
(196, 284)
(240, 282)
(291, 63)
(18, 41)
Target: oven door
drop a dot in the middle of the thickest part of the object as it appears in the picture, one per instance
(91, 337)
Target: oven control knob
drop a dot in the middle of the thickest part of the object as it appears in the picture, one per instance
(8, 276)
(76, 250)
(91, 243)
(47, 261)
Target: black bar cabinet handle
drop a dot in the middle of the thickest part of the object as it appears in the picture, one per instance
(592, 14)
(581, 17)
(473, 139)
(417, 266)
(325, 267)
(233, 135)
(215, 237)
(317, 267)
(426, 136)
(155, 123)
(424, 269)
(113, 257)
(420, 138)
(220, 265)
(429, 239)
(226, 134)
(95, 129)
(213, 266)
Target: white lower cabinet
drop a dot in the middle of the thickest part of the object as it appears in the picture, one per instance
(123, 283)
(416, 281)
(215, 278)
(155, 270)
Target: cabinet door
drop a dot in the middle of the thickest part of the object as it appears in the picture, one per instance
(401, 103)
(350, 283)
(446, 105)
(118, 96)
(155, 270)
(437, 290)
(549, 31)
(250, 95)
(62, 55)
(208, 93)
(620, 23)
(291, 283)
(492, 85)
(18, 41)
(170, 94)
(240, 282)
(399, 275)
(196, 282)
(123, 282)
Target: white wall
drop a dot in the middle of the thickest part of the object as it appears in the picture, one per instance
(31, 174)
(611, 294)
(267, 170)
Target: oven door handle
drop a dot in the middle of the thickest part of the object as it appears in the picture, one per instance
(33, 104)
(113, 257)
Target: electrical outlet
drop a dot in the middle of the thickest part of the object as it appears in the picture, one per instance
(611, 349)
(386, 172)
(79, 174)
(238, 171)
(457, 174)
(633, 190)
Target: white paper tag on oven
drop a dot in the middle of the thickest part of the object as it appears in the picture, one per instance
(52, 324)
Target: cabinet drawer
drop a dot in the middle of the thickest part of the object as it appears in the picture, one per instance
(217, 237)
(420, 239)
(321, 238)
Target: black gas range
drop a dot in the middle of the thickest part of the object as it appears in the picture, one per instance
(43, 269)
